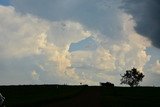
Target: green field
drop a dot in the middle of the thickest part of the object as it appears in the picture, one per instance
(95, 96)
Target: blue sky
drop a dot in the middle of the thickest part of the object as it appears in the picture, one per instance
(4, 2)
(76, 41)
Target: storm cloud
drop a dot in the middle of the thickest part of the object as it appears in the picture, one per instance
(101, 16)
(147, 17)
(72, 42)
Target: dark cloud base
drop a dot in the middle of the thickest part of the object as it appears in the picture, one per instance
(146, 13)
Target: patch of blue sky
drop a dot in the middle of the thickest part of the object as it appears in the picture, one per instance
(5, 2)
(87, 44)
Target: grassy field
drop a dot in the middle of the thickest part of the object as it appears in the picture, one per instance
(38, 95)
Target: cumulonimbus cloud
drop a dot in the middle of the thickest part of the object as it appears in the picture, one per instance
(48, 42)
(26, 35)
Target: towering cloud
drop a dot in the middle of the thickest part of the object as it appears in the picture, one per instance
(45, 43)
(36, 43)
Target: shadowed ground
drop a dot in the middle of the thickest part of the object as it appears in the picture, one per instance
(80, 96)
(90, 97)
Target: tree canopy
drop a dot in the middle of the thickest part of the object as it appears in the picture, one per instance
(132, 77)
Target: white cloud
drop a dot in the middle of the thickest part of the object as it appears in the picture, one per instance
(104, 60)
(48, 42)
(113, 57)
(99, 59)
(66, 32)
(19, 34)
(28, 36)
(130, 51)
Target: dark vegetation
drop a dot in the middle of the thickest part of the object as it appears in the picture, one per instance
(79, 96)
(107, 84)
(132, 77)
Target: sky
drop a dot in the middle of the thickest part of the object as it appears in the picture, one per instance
(78, 41)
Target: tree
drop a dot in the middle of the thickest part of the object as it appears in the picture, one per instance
(132, 77)
(107, 84)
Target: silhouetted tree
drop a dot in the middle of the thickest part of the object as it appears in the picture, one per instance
(132, 77)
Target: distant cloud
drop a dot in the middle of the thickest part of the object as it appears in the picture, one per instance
(156, 67)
